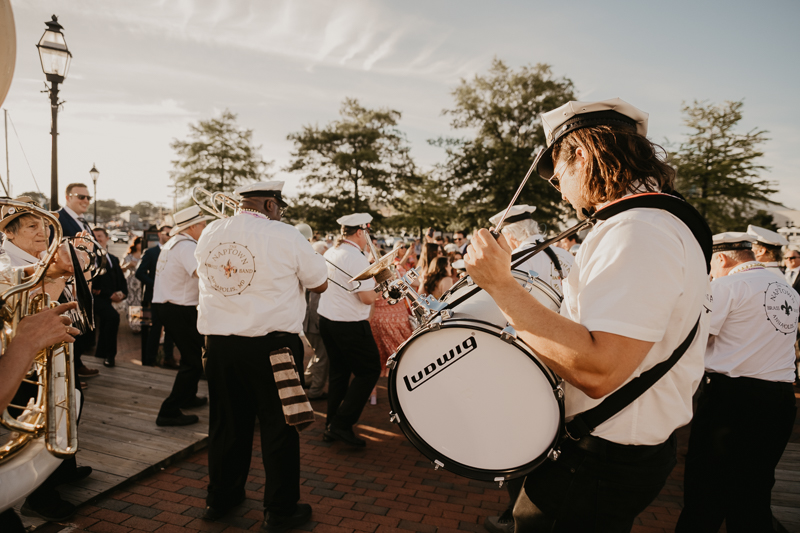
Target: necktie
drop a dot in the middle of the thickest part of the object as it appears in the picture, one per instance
(84, 224)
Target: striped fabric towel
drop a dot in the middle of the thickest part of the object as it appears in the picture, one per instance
(296, 407)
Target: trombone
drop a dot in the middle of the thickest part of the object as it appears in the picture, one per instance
(217, 203)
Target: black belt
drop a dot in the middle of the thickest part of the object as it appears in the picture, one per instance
(612, 450)
(723, 381)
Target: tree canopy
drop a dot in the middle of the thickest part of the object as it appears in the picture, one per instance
(503, 108)
(361, 161)
(717, 166)
(218, 155)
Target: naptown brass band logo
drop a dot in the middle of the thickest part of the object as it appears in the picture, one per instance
(782, 307)
(230, 268)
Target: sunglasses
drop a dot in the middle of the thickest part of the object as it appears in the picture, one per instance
(556, 177)
(82, 196)
(792, 257)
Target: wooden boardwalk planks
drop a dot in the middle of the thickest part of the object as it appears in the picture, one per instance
(118, 435)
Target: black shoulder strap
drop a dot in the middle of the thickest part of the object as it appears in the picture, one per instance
(672, 204)
(554, 258)
(584, 423)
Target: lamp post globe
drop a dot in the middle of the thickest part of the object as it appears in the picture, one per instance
(94, 173)
(55, 58)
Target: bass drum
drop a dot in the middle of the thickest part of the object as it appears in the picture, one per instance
(480, 306)
(475, 401)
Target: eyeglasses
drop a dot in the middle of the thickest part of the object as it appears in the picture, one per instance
(82, 196)
(555, 178)
(792, 257)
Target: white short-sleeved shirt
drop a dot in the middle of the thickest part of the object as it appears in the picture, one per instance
(253, 272)
(175, 281)
(336, 303)
(543, 266)
(642, 274)
(753, 326)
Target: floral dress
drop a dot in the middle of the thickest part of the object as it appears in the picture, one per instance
(134, 285)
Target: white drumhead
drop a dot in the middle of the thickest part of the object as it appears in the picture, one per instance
(481, 306)
(475, 398)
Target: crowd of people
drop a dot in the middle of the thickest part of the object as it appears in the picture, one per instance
(247, 300)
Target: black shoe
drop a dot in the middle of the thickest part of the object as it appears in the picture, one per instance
(52, 509)
(170, 364)
(344, 435)
(198, 401)
(180, 420)
(81, 472)
(109, 363)
(318, 397)
(212, 514)
(500, 524)
(276, 523)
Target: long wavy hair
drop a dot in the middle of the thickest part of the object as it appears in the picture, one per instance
(618, 162)
(437, 271)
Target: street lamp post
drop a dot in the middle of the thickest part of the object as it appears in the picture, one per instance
(94, 173)
(55, 58)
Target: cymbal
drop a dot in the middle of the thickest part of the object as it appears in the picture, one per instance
(376, 267)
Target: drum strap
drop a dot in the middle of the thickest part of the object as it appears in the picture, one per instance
(554, 258)
(586, 422)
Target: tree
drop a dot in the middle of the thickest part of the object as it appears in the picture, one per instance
(361, 160)
(503, 107)
(38, 197)
(428, 204)
(218, 156)
(717, 168)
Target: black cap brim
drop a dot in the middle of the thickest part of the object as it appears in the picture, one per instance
(544, 159)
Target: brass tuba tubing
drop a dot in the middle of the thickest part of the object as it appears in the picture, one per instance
(214, 203)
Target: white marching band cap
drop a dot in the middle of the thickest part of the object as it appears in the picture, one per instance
(355, 220)
(305, 230)
(459, 265)
(732, 240)
(576, 115)
(515, 214)
(768, 237)
(186, 218)
(270, 189)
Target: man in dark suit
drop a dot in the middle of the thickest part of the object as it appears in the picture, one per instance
(72, 222)
(107, 289)
(151, 336)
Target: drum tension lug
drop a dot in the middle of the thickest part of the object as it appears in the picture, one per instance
(394, 418)
(391, 363)
(499, 482)
(437, 464)
(446, 314)
(554, 454)
(509, 334)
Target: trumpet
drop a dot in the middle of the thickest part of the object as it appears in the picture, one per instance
(216, 203)
(52, 371)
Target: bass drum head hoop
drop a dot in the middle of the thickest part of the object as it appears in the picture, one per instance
(482, 407)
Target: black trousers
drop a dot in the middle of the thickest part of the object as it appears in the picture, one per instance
(242, 387)
(180, 321)
(739, 431)
(107, 322)
(151, 336)
(595, 485)
(351, 351)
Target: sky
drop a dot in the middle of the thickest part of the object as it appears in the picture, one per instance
(143, 71)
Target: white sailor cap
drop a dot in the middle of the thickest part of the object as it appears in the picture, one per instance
(576, 115)
(361, 220)
(515, 214)
(766, 236)
(270, 189)
(459, 264)
(732, 240)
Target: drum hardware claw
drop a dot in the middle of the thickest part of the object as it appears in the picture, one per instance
(394, 418)
(559, 390)
(554, 454)
(509, 334)
(437, 464)
(446, 314)
(533, 274)
(499, 482)
(391, 363)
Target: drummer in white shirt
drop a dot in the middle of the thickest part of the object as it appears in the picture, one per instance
(346, 331)
(615, 322)
(767, 248)
(522, 232)
(746, 408)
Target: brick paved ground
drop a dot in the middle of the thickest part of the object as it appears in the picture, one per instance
(387, 487)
